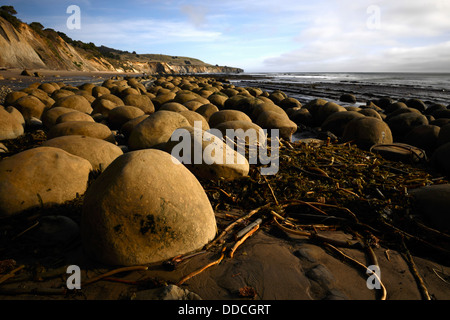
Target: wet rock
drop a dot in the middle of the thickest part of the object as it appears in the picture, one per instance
(290, 103)
(416, 104)
(367, 131)
(400, 152)
(348, 97)
(169, 292)
(99, 153)
(371, 113)
(55, 231)
(57, 177)
(145, 207)
(322, 276)
(156, 129)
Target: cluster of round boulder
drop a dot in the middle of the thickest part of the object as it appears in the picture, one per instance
(145, 207)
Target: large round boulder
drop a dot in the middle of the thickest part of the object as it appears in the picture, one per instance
(336, 122)
(193, 116)
(76, 102)
(274, 120)
(30, 107)
(156, 129)
(82, 128)
(366, 132)
(441, 159)
(99, 153)
(206, 155)
(444, 135)
(120, 115)
(227, 115)
(173, 106)
(142, 102)
(41, 176)
(424, 137)
(403, 123)
(74, 116)
(10, 126)
(145, 207)
(432, 203)
(207, 110)
(50, 116)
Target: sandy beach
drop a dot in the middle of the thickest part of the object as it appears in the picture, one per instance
(275, 263)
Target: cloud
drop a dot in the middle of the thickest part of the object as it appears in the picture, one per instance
(409, 36)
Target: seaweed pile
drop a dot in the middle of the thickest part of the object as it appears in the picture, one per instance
(331, 186)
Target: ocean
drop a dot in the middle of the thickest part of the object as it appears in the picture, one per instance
(431, 87)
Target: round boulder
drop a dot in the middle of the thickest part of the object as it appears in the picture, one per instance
(336, 122)
(206, 155)
(41, 176)
(120, 115)
(207, 110)
(193, 116)
(82, 128)
(403, 123)
(99, 153)
(142, 102)
(74, 116)
(424, 137)
(441, 159)
(367, 131)
(227, 115)
(432, 203)
(348, 97)
(10, 126)
(30, 107)
(444, 135)
(273, 120)
(156, 129)
(145, 207)
(75, 102)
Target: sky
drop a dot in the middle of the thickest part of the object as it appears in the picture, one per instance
(264, 35)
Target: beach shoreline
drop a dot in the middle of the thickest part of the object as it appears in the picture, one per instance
(273, 264)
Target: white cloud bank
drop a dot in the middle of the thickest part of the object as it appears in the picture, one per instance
(405, 35)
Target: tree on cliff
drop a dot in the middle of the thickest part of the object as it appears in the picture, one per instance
(8, 13)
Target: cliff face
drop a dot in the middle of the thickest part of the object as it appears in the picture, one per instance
(25, 47)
